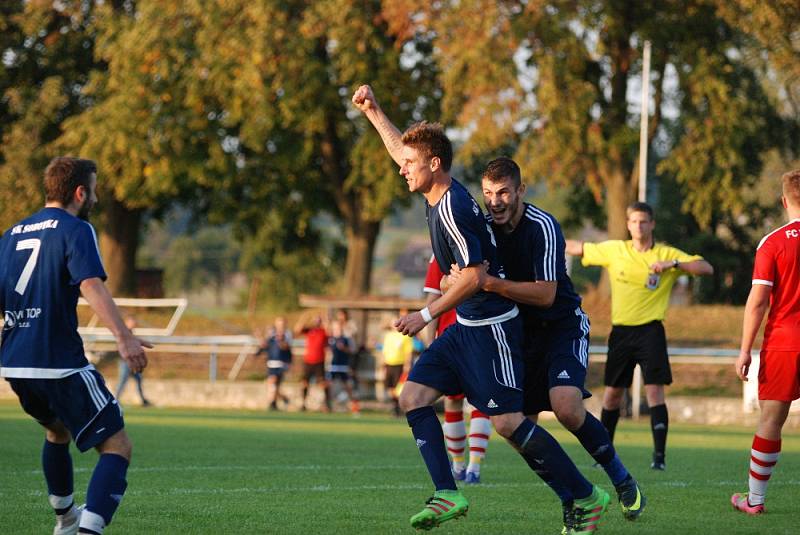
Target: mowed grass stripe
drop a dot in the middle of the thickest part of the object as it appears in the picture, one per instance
(250, 472)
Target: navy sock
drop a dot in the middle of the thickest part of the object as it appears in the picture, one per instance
(610, 419)
(430, 440)
(561, 491)
(107, 486)
(57, 467)
(594, 438)
(540, 449)
(659, 424)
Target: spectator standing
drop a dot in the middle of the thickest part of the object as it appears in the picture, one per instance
(397, 350)
(342, 349)
(278, 349)
(314, 359)
(125, 371)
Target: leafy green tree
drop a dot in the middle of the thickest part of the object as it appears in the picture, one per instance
(242, 108)
(47, 56)
(561, 79)
(203, 259)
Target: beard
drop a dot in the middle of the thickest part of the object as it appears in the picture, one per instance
(83, 211)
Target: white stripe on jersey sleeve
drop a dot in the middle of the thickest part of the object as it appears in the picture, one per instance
(764, 239)
(763, 282)
(96, 244)
(446, 214)
(548, 230)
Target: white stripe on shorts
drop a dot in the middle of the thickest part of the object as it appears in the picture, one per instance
(583, 355)
(501, 353)
(506, 363)
(94, 390)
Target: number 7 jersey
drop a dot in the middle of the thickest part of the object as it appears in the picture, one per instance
(43, 260)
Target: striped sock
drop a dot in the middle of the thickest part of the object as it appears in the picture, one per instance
(455, 437)
(480, 428)
(763, 456)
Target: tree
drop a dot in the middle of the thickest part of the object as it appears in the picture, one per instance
(242, 108)
(48, 68)
(47, 53)
(559, 79)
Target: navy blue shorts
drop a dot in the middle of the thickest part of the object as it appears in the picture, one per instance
(338, 376)
(482, 362)
(80, 401)
(278, 372)
(556, 353)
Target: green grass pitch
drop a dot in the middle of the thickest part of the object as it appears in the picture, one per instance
(245, 472)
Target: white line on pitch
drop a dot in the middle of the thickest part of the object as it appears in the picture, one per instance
(410, 486)
(248, 467)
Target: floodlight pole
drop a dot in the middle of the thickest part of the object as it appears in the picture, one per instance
(636, 389)
(643, 126)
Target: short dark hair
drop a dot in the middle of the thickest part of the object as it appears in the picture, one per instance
(503, 168)
(431, 141)
(640, 207)
(63, 176)
(791, 186)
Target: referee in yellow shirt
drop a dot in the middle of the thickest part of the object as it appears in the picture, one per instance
(642, 273)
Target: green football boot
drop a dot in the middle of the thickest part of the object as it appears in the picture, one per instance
(587, 512)
(444, 505)
(631, 499)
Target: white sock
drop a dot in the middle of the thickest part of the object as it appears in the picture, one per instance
(92, 521)
(60, 502)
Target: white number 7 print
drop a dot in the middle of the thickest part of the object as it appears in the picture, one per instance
(25, 277)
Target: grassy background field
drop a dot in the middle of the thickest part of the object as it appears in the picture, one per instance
(247, 472)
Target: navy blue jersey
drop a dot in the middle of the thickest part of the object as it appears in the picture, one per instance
(43, 260)
(341, 349)
(460, 235)
(534, 251)
(277, 357)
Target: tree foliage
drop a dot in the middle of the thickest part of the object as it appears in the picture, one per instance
(47, 57)
(562, 80)
(237, 109)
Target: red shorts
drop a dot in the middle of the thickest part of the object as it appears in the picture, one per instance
(779, 375)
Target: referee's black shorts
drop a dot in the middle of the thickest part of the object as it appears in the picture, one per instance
(645, 345)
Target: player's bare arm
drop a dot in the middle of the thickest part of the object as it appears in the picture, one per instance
(536, 293)
(574, 248)
(695, 267)
(364, 100)
(467, 284)
(130, 347)
(754, 312)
